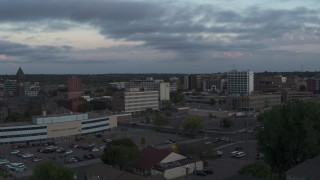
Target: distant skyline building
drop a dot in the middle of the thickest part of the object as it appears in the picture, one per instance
(20, 82)
(135, 101)
(240, 82)
(73, 87)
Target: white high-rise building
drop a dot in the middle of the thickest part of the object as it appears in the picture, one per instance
(240, 82)
(164, 91)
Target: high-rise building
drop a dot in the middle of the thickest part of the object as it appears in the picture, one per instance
(135, 101)
(74, 84)
(240, 82)
(20, 82)
(73, 87)
(164, 91)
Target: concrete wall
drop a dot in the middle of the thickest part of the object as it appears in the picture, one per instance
(64, 129)
(180, 171)
(113, 122)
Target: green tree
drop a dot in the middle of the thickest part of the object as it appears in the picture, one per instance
(51, 170)
(302, 88)
(226, 122)
(121, 153)
(160, 120)
(290, 134)
(212, 101)
(167, 105)
(143, 140)
(193, 124)
(257, 169)
(85, 107)
(149, 110)
(177, 97)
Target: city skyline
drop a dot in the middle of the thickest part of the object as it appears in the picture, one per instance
(129, 36)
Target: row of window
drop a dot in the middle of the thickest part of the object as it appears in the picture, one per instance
(98, 126)
(23, 129)
(94, 121)
(23, 135)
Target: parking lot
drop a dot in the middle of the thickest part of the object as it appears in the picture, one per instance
(72, 151)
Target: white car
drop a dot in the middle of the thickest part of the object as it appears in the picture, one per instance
(27, 155)
(3, 161)
(240, 154)
(69, 151)
(208, 142)
(95, 149)
(15, 152)
(103, 147)
(219, 153)
(36, 159)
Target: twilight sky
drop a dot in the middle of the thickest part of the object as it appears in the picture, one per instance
(158, 36)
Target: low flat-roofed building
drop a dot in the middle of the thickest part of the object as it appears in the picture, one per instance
(170, 165)
(308, 170)
(252, 102)
(57, 126)
(105, 172)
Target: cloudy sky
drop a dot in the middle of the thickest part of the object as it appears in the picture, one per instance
(158, 36)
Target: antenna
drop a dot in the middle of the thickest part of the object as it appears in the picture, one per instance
(234, 67)
(301, 67)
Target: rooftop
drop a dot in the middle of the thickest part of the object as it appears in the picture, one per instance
(308, 169)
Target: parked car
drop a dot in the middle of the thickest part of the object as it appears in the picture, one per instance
(94, 149)
(219, 153)
(15, 152)
(103, 147)
(208, 171)
(68, 151)
(107, 140)
(208, 142)
(27, 155)
(3, 161)
(199, 173)
(78, 158)
(233, 153)
(240, 154)
(37, 159)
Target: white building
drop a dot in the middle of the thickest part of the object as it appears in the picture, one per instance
(57, 126)
(140, 101)
(240, 82)
(164, 91)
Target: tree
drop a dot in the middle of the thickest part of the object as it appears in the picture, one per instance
(143, 140)
(51, 170)
(302, 88)
(122, 153)
(193, 124)
(212, 101)
(226, 123)
(290, 134)
(257, 169)
(160, 120)
(85, 106)
(201, 150)
(177, 97)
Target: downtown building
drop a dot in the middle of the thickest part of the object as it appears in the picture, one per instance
(240, 82)
(52, 127)
(135, 101)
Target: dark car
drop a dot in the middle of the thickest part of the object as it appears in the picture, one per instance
(208, 171)
(78, 158)
(200, 173)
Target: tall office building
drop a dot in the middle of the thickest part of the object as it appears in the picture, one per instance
(20, 82)
(240, 82)
(73, 87)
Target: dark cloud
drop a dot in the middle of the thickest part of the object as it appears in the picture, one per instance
(191, 31)
(23, 52)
